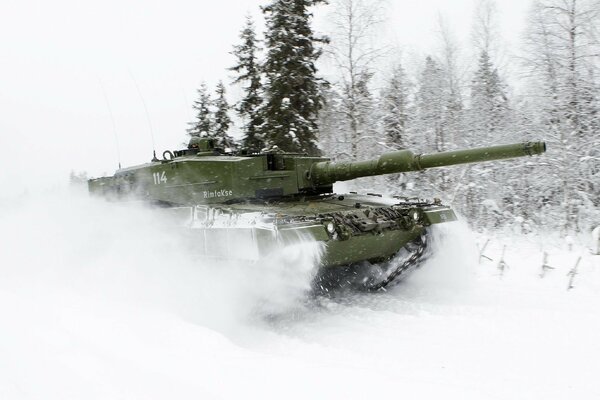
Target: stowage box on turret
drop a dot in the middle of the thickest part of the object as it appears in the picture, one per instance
(273, 197)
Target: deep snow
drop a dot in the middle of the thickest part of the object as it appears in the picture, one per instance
(106, 301)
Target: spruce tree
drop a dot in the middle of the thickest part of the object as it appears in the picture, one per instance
(292, 88)
(395, 114)
(437, 110)
(489, 102)
(204, 116)
(249, 74)
(430, 107)
(394, 104)
(222, 120)
(488, 122)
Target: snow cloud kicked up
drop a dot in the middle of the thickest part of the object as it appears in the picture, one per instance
(102, 300)
(89, 290)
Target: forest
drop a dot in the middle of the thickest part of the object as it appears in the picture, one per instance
(360, 109)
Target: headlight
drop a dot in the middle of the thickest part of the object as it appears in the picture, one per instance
(330, 227)
(416, 215)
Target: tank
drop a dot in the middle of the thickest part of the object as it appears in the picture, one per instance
(244, 205)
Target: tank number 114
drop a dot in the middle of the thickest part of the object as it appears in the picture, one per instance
(159, 177)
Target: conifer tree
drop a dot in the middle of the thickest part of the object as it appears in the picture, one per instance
(222, 120)
(204, 116)
(488, 122)
(395, 114)
(292, 88)
(394, 103)
(489, 102)
(452, 98)
(430, 107)
(438, 113)
(249, 74)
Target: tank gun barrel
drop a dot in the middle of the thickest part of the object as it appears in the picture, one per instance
(326, 172)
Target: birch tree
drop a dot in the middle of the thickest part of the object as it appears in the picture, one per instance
(333, 126)
(354, 23)
(562, 60)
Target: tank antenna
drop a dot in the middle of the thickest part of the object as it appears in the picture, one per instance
(114, 125)
(147, 115)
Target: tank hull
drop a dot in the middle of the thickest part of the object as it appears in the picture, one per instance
(351, 228)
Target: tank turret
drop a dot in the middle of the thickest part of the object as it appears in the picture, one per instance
(202, 174)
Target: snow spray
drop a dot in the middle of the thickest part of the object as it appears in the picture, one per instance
(448, 269)
(129, 256)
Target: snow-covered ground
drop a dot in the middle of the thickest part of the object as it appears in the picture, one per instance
(104, 301)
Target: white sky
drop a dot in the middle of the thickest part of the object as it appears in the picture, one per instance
(57, 55)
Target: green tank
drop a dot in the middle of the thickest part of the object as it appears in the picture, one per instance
(260, 201)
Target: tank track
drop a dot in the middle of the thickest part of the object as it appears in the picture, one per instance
(417, 250)
(373, 277)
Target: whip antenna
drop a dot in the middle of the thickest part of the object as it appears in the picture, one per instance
(114, 125)
(147, 115)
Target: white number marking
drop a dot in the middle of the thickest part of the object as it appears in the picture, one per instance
(159, 177)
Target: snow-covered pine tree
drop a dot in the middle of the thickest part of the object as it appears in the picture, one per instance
(395, 106)
(430, 108)
(439, 113)
(204, 116)
(292, 88)
(488, 118)
(248, 71)
(487, 114)
(452, 96)
(358, 110)
(221, 120)
(395, 117)
(367, 117)
(529, 182)
(489, 103)
(428, 127)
